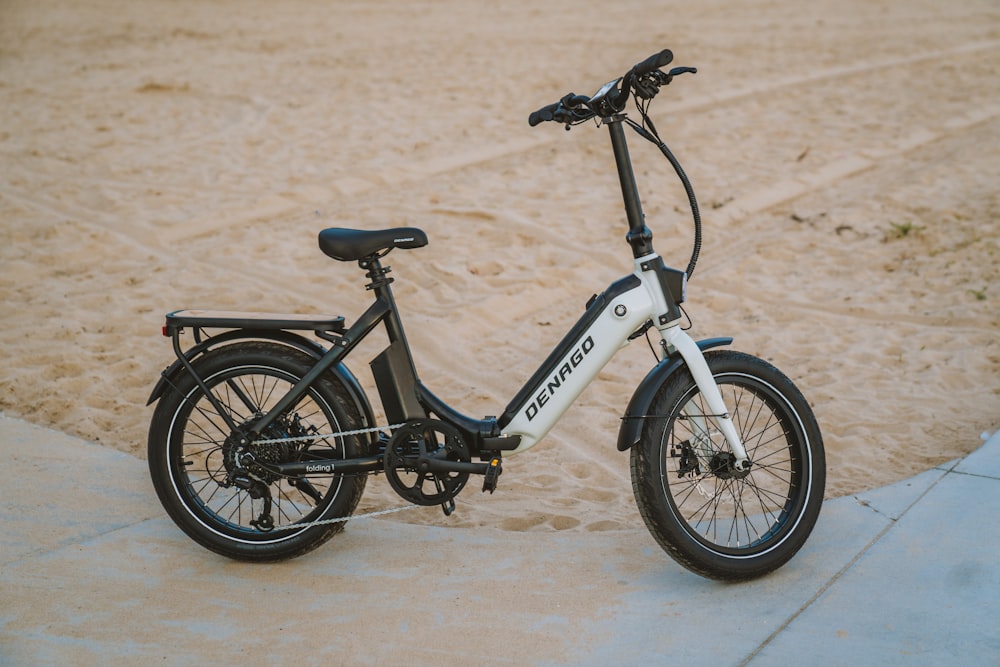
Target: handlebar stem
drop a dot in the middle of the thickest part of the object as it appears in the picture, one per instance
(639, 236)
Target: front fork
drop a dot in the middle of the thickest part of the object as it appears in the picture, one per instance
(674, 338)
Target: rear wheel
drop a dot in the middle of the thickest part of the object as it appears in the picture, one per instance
(220, 490)
(718, 521)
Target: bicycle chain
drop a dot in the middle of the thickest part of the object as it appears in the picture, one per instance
(354, 517)
(314, 436)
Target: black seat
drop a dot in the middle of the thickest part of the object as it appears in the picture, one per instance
(349, 245)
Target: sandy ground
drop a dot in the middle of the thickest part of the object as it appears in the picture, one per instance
(156, 156)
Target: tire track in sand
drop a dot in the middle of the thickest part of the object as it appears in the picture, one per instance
(849, 165)
(275, 207)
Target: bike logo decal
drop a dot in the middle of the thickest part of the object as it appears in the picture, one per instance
(319, 467)
(556, 381)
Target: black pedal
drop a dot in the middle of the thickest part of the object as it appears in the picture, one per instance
(493, 472)
(448, 506)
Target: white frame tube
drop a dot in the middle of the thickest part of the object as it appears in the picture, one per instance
(595, 347)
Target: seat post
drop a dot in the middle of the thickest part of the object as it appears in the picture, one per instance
(639, 236)
(375, 272)
(380, 281)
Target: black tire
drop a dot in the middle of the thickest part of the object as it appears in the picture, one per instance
(713, 520)
(191, 454)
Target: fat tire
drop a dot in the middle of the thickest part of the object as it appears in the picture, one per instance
(187, 453)
(722, 526)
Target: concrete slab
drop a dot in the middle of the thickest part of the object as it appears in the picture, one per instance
(892, 501)
(59, 490)
(925, 594)
(98, 575)
(984, 461)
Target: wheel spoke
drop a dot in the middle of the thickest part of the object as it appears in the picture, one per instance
(250, 405)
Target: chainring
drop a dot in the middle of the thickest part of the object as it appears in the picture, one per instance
(425, 438)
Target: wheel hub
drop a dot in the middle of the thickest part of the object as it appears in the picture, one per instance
(723, 466)
(242, 454)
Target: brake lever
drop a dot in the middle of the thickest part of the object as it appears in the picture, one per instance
(682, 70)
(646, 86)
(578, 116)
(576, 108)
(573, 101)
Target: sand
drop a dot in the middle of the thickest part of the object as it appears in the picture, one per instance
(157, 156)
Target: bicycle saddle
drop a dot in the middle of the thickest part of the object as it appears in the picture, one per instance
(348, 245)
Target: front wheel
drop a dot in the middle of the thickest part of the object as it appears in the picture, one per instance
(713, 519)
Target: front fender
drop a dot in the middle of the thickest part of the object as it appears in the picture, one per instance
(638, 407)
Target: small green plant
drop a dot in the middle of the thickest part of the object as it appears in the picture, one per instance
(980, 294)
(902, 230)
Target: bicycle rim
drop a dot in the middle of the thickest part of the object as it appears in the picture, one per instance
(732, 515)
(201, 454)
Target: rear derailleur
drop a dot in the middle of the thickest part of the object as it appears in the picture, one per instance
(257, 490)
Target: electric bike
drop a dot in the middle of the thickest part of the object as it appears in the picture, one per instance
(262, 439)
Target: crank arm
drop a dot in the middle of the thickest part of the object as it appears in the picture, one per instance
(432, 464)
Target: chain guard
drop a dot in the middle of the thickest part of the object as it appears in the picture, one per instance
(425, 438)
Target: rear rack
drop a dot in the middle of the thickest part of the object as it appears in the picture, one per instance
(234, 319)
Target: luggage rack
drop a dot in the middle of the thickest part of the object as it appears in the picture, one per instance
(234, 319)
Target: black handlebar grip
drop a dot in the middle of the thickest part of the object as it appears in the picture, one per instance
(542, 115)
(656, 61)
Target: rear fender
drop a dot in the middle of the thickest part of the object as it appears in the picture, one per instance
(170, 375)
(639, 406)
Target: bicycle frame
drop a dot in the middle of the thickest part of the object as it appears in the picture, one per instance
(607, 325)
(649, 295)
(652, 293)
(262, 441)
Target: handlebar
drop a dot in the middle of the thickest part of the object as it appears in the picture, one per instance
(644, 81)
(656, 61)
(571, 108)
(543, 114)
(611, 99)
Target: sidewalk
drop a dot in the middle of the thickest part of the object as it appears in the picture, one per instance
(93, 572)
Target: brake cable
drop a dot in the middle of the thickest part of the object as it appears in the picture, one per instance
(648, 132)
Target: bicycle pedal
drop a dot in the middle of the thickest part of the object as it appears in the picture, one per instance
(492, 474)
(448, 506)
